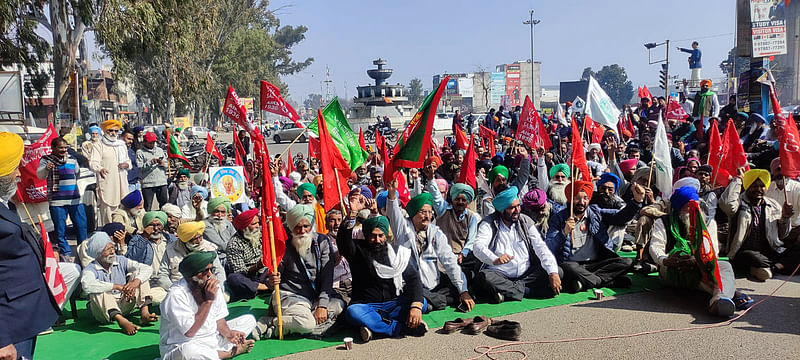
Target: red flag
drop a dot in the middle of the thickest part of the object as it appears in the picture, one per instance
(272, 101)
(388, 169)
(726, 154)
(211, 147)
(646, 93)
(31, 189)
(485, 132)
(289, 163)
(238, 149)
(270, 212)
(235, 110)
(675, 111)
(578, 154)
(361, 139)
(333, 166)
(467, 175)
(461, 140)
(595, 129)
(530, 128)
(482, 145)
(402, 187)
(313, 147)
(788, 137)
(52, 273)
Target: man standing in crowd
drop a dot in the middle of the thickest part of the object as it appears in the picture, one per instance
(110, 161)
(152, 162)
(133, 172)
(61, 171)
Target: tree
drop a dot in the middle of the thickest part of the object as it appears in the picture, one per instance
(415, 91)
(20, 44)
(614, 81)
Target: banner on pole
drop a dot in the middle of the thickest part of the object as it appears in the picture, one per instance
(229, 182)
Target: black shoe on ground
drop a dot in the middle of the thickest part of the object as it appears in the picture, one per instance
(419, 330)
(504, 330)
(573, 286)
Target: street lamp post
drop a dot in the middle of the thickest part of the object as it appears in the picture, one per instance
(651, 46)
(532, 22)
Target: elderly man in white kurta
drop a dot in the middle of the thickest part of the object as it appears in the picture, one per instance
(110, 162)
(193, 324)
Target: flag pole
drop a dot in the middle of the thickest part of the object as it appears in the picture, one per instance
(277, 290)
(339, 190)
(291, 143)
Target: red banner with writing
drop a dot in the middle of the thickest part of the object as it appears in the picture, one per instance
(530, 129)
(272, 101)
(31, 189)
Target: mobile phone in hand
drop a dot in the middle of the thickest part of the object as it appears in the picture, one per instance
(462, 307)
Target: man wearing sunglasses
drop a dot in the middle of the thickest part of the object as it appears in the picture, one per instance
(148, 248)
(110, 162)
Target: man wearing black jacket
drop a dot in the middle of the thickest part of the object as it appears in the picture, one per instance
(387, 292)
(27, 307)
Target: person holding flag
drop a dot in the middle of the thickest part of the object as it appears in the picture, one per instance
(686, 255)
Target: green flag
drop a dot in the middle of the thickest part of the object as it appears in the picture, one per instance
(413, 145)
(343, 136)
(174, 150)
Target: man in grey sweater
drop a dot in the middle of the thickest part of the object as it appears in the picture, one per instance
(153, 171)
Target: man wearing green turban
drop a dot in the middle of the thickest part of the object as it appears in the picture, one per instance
(459, 223)
(431, 250)
(307, 192)
(219, 228)
(148, 247)
(201, 290)
(499, 179)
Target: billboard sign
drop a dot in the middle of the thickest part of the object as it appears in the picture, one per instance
(465, 87)
(512, 84)
(768, 27)
(497, 83)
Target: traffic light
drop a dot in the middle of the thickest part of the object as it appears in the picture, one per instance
(662, 76)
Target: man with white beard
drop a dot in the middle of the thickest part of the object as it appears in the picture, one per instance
(555, 185)
(180, 192)
(110, 162)
(191, 239)
(131, 213)
(219, 230)
(309, 305)
(247, 274)
(149, 246)
(680, 261)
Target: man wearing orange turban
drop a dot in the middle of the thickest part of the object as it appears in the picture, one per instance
(581, 240)
(110, 162)
(706, 103)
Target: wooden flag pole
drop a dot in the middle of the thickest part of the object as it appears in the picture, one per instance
(291, 143)
(277, 290)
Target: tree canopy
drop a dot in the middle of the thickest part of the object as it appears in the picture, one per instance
(614, 81)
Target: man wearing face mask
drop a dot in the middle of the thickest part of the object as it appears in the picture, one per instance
(180, 190)
(309, 304)
(191, 239)
(430, 249)
(149, 246)
(246, 273)
(516, 263)
(582, 242)
(116, 285)
(219, 230)
(110, 162)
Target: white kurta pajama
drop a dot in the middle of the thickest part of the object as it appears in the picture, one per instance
(112, 188)
(177, 316)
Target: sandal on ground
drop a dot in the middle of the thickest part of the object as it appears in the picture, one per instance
(743, 302)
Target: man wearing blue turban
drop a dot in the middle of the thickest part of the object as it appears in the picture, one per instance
(516, 261)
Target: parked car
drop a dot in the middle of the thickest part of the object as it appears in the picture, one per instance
(288, 132)
(199, 133)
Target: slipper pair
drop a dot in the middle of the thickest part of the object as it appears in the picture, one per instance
(743, 302)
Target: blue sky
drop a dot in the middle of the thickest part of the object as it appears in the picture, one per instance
(423, 38)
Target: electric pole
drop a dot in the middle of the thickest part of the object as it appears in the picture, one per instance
(532, 22)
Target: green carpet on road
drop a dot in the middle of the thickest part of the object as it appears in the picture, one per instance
(85, 339)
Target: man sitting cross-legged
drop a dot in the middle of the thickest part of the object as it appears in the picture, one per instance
(516, 262)
(193, 324)
(246, 273)
(582, 244)
(305, 276)
(676, 245)
(430, 251)
(387, 292)
(148, 248)
(116, 285)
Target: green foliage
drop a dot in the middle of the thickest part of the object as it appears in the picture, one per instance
(415, 91)
(20, 44)
(614, 81)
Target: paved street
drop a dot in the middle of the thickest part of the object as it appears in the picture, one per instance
(769, 331)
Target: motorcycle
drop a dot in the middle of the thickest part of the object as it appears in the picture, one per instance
(389, 133)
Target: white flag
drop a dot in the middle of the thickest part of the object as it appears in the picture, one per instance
(662, 160)
(599, 106)
(560, 115)
(578, 105)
